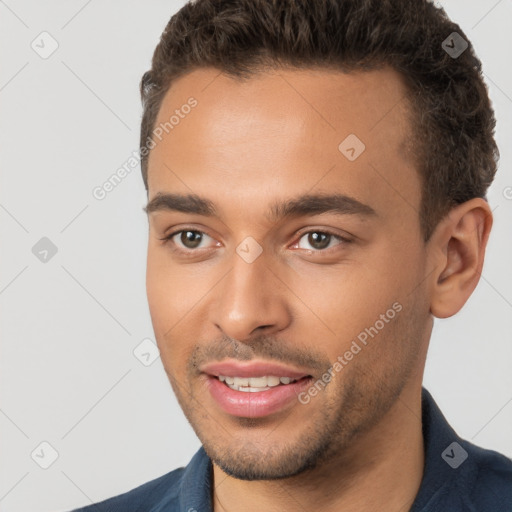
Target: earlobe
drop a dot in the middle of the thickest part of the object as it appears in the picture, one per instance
(457, 248)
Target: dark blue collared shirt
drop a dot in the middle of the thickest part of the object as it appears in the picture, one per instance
(458, 476)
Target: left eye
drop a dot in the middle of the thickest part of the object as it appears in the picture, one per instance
(320, 240)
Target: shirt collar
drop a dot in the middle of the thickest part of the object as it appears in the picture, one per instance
(196, 484)
(440, 442)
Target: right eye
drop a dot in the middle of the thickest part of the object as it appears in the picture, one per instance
(186, 241)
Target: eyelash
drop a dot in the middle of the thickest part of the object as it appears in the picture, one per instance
(193, 252)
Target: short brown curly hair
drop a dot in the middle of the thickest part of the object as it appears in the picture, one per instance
(453, 129)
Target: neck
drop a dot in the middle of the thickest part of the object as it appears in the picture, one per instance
(381, 470)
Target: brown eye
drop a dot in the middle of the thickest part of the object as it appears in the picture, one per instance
(190, 239)
(187, 241)
(320, 240)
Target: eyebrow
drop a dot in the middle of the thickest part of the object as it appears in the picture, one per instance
(307, 204)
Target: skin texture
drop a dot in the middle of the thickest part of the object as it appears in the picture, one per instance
(274, 137)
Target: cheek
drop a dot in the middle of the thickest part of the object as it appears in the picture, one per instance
(175, 294)
(159, 289)
(168, 299)
(171, 289)
(352, 298)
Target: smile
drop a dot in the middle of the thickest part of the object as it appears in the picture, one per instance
(254, 384)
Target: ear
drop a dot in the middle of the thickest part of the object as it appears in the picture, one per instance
(456, 251)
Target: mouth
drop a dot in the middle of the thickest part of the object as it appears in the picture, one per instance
(256, 384)
(254, 389)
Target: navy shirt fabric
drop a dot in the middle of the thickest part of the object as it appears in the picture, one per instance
(458, 476)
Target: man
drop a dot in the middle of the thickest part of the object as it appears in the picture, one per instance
(316, 177)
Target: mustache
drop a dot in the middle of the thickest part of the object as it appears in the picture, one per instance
(265, 347)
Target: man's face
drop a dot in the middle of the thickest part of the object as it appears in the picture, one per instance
(249, 287)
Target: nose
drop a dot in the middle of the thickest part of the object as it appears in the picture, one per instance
(251, 300)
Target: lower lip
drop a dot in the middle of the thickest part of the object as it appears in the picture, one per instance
(255, 404)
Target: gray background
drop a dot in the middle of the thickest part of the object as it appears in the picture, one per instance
(69, 326)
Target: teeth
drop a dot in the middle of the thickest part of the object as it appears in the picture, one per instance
(255, 384)
(247, 389)
(242, 381)
(273, 381)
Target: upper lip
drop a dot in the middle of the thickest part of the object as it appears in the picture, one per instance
(251, 369)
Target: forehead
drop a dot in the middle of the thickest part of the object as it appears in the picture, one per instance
(285, 131)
